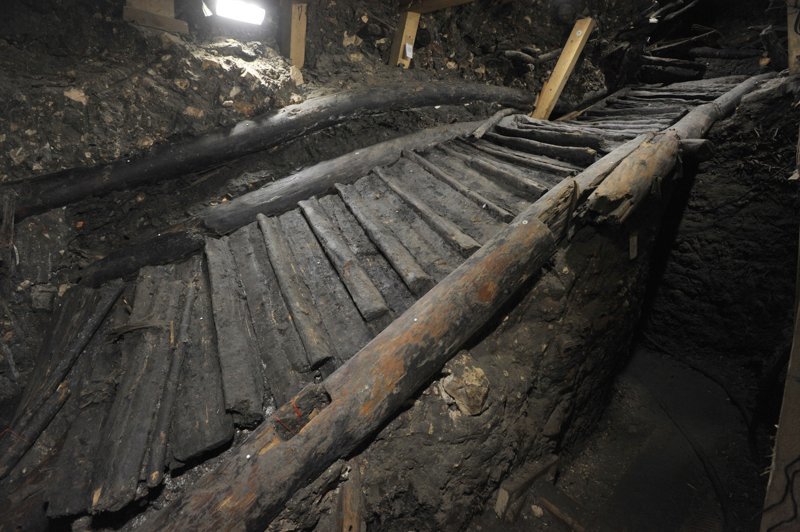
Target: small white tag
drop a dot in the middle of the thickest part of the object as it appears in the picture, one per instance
(409, 52)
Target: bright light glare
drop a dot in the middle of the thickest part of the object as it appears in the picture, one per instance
(241, 11)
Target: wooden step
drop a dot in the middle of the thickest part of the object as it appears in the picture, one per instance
(129, 429)
(281, 351)
(365, 294)
(527, 160)
(404, 263)
(296, 294)
(242, 377)
(578, 156)
(346, 328)
(200, 423)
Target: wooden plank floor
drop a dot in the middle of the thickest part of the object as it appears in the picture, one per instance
(226, 337)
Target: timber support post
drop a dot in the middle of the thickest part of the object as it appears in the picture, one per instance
(294, 22)
(403, 43)
(554, 86)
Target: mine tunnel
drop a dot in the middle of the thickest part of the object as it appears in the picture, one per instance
(429, 265)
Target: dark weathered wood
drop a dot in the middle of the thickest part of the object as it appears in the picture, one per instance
(527, 160)
(435, 254)
(372, 386)
(179, 341)
(417, 279)
(77, 320)
(439, 173)
(519, 481)
(491, 122)
(465, 244)
(579, 156)
(8, 257)
(129, 428)
(562, 136)
(386, 279)
(725, 53)
(509, 176)
(346, 328)
(560, 505)
(496, 190)
(281, 350)
(200, 424)
(69, 488)
(283, 195)
(242, 379)
(169, 161)
(350, 511)
(298, 298)
(655, 94)
(490, 165)
(366, 296)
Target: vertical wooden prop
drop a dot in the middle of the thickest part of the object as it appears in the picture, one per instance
(404, 38)
(793, 25)
(294, 20)
(553, 87)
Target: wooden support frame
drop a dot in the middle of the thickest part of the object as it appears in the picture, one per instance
(293, 27)
(403, 42)
(792, 14)
(158, 14)
(551, 91)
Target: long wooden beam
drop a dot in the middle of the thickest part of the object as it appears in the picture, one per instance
(403, 43)
(41, 193)
(792, 18)
(553, 87)
(294, 22)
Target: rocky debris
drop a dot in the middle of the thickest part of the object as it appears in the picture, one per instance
(118, 90)
(467, 386)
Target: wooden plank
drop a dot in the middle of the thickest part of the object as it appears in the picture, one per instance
(346, 328)
(294, 23)
(281, 350)
(780, 510)
(404, 38)
(537, 162)
(128, 431)
(465, 244)
(429, 6)
(200, 423)
(404, 263)
(482, 201)
(153, 20)
(792, 14)
(350, 508)
(296, 294)
(76, 459)
(579, 156)
(560, 506)
(366, 296)
(386, 279)
(551, 91)
(242, 380)
(519, 481)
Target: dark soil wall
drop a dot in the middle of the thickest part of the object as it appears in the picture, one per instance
(724, 299)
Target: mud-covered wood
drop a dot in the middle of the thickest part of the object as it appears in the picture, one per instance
(78, 317)
(130, 426)
(179, 341)
(69, 489)
(366, 296)
(465, 244)
(346, 328)
(293, 415)
(476, 196)
(529, 185)
(386, 279)
(578, 156)
(417, 279)
(298, 297)
(242, 380)
(543, 131)
(170, 161)
(527, 160)
(280, 348)
(200, 423)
